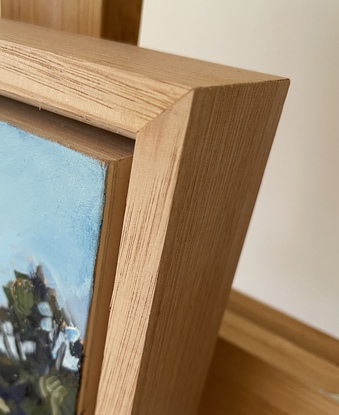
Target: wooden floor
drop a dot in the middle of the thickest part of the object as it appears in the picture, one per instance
(266, 363)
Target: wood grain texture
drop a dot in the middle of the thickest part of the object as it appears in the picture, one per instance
(70, 133)
(241, 384)
(280, 353)
(117, 87)
(201, 173)
(117, 152)
(117, 179)
(203, 133)
(311, 340)
(117, 20)
(121, 20)
(77, 16)
(260, 365)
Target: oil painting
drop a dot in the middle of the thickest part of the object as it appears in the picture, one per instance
(51, 206)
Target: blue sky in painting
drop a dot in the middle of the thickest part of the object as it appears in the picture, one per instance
(51, 201)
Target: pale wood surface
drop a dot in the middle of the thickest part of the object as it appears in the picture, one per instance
(258, 369)
(117, 87)
(118, 20)
(77, 16)
(117, 152)
(312, 340)
(121, 20)
(70, 133)
(202, 177)
(117, 178)
(203, 133)
(279, 352)
(238, 383)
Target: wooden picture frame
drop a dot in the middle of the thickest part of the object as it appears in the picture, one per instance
(203, 134)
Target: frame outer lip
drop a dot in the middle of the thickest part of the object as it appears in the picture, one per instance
(130, 395)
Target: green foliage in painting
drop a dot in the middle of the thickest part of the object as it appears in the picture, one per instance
(40, 350)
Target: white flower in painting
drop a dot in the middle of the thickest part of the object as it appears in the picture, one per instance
(72, 334)
(8, 328)
(8, 346)
(28, 347)
(45, 309)
(69, 362)
(46, 324)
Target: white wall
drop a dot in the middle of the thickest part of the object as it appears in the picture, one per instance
(291, 255)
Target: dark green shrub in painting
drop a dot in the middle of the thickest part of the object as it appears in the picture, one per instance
(40, 350)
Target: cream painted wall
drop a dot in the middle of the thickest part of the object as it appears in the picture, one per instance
(291, 255)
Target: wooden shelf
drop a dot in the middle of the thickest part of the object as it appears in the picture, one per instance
(267, 363)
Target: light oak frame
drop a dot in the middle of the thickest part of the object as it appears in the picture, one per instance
(203, 134)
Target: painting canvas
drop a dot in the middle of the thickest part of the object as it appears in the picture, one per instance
(51, 209)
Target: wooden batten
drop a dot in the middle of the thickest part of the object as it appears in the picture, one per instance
(203, 133)
(121, 20)
(279, 324)
(117, 20)
(268, 363)
(240, 383)
(77, 16)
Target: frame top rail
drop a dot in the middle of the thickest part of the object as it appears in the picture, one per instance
(203, 134)
(120, 88)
